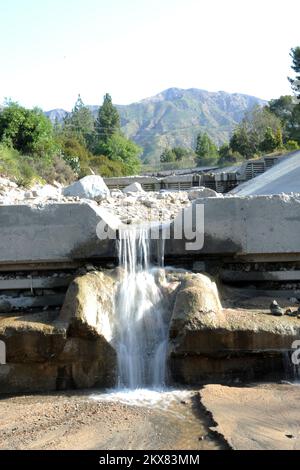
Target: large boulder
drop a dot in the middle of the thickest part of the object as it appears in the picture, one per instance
(134, 188)
(196, 193)
(89, 305)
(89, 187)
(208, 343)
(60, 350)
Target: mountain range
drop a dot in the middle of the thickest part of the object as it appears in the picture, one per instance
(175, 116)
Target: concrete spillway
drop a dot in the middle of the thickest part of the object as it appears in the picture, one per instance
(282, 178)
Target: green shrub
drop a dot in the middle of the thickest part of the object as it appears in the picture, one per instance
(107, 168)
(26, 170)
(292, 145)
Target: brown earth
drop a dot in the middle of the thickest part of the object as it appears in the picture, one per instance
(261, 417)
(72, 420)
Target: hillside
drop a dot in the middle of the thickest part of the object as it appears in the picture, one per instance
(175, 116)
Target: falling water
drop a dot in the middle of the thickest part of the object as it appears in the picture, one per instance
(141, 324)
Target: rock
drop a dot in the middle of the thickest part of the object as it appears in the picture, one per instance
(5, 306)
(275, 309)
(208, 343)
(89, 305)
(47, 191)
(150, 203)
(71, 349)
(6, 183)
(291, 313)
(197, 306)
(134, 188)
(90, 267)
(202, 192)
(90, 187)
(130, 201)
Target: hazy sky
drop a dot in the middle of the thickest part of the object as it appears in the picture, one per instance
(50, 50)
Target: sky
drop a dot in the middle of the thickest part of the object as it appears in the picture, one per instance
(51, 50)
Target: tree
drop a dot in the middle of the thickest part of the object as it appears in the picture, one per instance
(181, 153)
(79, 122)
(168, 156)
(294, 125)
(250, 133)
(108, 120)
(75, 154)
(269, 142)
(206, 150)
(118, 148)
(283, 108)
(27, 130)
(295, 82)
(227, 155)
(241, 143)
(175, 154)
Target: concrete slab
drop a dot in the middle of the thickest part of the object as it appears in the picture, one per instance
(53, 233)
(242, 226)
(284, 177)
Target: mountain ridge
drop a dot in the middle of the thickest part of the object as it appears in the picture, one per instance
(175, 116)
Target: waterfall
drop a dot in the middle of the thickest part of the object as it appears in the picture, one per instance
(141, 335)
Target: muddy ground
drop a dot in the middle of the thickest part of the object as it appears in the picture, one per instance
(74, 421)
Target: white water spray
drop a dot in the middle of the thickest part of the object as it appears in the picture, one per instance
(141, 335)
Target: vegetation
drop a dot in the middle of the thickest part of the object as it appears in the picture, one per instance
(206, 150)
(32, 149)
(176, 154)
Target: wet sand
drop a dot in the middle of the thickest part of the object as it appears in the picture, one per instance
(73, 420)
(256, 417)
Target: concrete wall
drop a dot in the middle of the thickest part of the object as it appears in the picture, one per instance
(245, 226)
(67, 232)
(52, 233)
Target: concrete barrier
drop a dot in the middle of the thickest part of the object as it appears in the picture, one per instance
(53, 233)
(263, 225)
(233, 226)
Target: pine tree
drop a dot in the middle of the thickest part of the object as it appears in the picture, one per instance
(206, 150)
(80, 121)
(295, 82)
(108, 120)
(269, 143)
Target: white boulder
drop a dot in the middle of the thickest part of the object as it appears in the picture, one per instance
(134, 188)
(89, 187)
(197, 193)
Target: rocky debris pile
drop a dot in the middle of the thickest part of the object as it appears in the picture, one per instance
(132, 205)
(139, 207)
